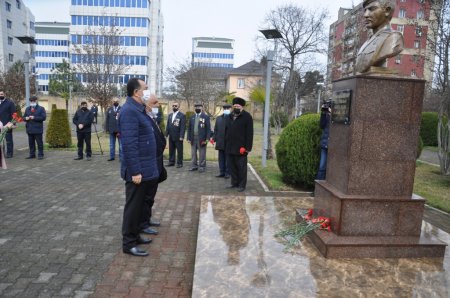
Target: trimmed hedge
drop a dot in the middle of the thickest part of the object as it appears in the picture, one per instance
(428, 128)
(419, 148)
(298, 150)
(58, 131)
(280, 117)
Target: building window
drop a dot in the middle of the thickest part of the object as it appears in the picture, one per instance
(18, 4)
(11, 58)
(418, 31)
(402, 0)
(417, 44)
(402, 13)
(413, 72)
(241, 83)
(420, 14)
(400, 28)
(8, 24)
(397, 59)
(8, 6)
(31, 25)
(10, 41)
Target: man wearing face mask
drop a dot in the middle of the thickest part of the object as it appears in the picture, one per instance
(219, 140)
(112, 116)
(34, 117)
(175, 129)
(199, 133)
(83, 119)
(7, 109)
(238, 143)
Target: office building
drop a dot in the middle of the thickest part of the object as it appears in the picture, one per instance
(16, 21)
(212, 52)
(52, 48)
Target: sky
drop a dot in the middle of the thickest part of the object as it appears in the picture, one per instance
(184, 19)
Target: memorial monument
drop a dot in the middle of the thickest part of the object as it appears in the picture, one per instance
(372, 150)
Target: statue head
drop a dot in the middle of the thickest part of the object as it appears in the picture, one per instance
(378, 13)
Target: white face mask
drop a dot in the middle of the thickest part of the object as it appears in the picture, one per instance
(32, 104)
(146, 95)
(155, 111)
(226, 112)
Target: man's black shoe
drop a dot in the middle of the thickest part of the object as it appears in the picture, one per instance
(201, 170)
(78, 158)
(150, 231)
(136, 251)
(30, 157)
(170, 165)
(88, 158)
(226, 176)
(144, 240)
(231, 186)
(241, 189)
(193, 169)
(8, 156)
(179, 166)
(154, 223)
(220, 175)
(110, 159)
(40, 157)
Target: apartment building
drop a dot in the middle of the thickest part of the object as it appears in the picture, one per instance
(212, 52)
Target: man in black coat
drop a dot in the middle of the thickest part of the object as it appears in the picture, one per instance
(7, 109)
(111, 127)
(34, 117)
(175, 129)
(83, 119)
(238, 143)
(325, 118)
(219, 139)
(94, 110)
(199, 133)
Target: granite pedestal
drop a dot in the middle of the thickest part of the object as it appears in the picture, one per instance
(370, 174)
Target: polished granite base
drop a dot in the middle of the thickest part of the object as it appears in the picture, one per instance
(238, 256)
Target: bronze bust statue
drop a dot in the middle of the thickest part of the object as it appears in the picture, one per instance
(384, 43)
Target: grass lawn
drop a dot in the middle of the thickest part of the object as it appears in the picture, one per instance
(432, 186)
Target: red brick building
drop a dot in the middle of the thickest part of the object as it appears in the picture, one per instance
(348, 33)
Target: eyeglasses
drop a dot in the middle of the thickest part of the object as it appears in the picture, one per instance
(174, 106)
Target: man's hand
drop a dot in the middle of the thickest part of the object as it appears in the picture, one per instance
(31, 117)
(27, 118)
(181, 139)
(136, 179)
(80, 126)
(9, 125)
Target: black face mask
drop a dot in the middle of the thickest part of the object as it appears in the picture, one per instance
(236, 111)
(116, 104)
(175, 110)
(84, 108)
(2, 97)
(198, 111)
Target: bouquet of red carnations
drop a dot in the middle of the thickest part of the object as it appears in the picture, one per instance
(15, 119)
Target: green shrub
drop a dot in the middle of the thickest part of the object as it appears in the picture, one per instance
(298, 150)
(279, 117)
(428, 128)
(419, 148)
(58, 131)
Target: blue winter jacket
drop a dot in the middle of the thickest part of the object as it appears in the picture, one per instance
(36, 125)
(138, 142)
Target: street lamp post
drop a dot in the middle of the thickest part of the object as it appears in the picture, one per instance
(26, 66)
(318, 98)
(269, 34)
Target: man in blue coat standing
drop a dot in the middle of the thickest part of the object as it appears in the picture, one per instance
(34, 117)
(7, 109)
(139, 166)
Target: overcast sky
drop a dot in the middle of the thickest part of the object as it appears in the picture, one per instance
(183, 19)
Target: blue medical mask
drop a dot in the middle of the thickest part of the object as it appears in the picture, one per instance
(226, 112)
(155, 111)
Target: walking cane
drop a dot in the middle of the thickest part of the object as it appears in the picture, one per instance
(98, 138)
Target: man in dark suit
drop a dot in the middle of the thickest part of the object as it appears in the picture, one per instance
(238, 143)
(152, 109)
(175, 128)
(219, 139)
(111, 127)
(34, 117)
(199, 133)
(94, 110)
(83, 119)
(7, 109)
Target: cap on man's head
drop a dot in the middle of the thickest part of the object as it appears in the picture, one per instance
(198, 104)
(33, 98)
(226, 106)
(239, 101)
(83, 103)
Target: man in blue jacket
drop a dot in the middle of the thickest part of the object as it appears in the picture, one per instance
(138, 167)
(7, 109)
(34, 117)
(325, 117)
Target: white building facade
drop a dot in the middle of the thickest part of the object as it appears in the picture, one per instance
(52, 48)
(16, 21)
(212, 52)
(141, 34)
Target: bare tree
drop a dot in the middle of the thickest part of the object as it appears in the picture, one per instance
(101, 60)
(13, 83)
(303, 34)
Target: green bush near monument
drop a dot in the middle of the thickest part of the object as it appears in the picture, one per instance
(58, 131)
(298, 152)
(428, 128)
